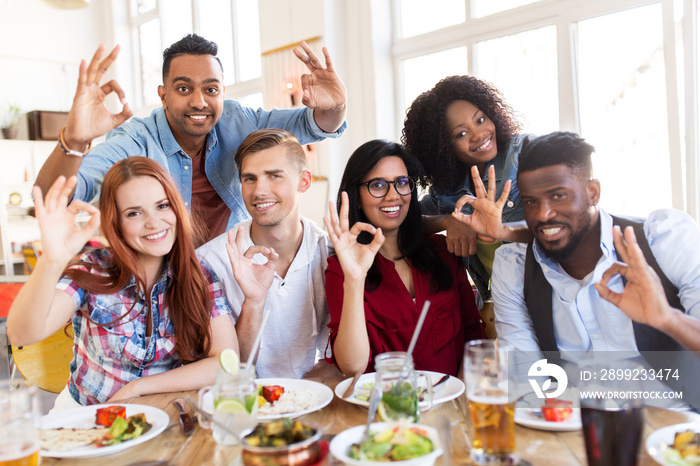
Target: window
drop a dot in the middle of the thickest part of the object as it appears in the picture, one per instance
(623, 110)
(421, 73)
(143, 6)
(489, 7)
(215, 19)
(151, 60)
(420, 16)
(523, 67)
(232, 24)
(596, 68)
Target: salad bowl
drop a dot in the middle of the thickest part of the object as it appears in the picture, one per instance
(340, 445)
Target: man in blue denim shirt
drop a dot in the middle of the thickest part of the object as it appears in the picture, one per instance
(195, 134)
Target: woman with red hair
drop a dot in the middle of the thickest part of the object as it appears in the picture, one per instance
(147, 317)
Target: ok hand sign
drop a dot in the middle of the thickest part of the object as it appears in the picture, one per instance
(355, 258)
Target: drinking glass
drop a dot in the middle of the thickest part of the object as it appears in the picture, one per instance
(612, 425)
(486, 377)
(19, 417)
(235, 405)
(401, 388)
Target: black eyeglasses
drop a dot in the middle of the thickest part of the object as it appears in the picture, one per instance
(379, 187)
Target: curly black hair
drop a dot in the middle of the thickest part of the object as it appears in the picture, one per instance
(427, 138)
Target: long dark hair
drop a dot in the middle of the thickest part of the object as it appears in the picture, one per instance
(188, 296)
(420, 253)
(425, 132)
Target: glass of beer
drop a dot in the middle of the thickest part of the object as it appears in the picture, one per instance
(493, 425)
(19, 417)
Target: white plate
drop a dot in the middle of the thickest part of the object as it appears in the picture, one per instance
(323, 393)
(446, 391)
(658, 441)
(529, 417)
(340, 445)
(84, 418)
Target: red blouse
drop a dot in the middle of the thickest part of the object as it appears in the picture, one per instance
(391, 315)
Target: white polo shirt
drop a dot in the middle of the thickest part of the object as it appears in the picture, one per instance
(296, 332)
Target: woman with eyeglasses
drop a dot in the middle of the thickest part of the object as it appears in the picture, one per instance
(385, 269)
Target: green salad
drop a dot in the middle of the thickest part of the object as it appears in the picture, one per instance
(395, 444)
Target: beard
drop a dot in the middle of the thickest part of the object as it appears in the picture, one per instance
(561, 255)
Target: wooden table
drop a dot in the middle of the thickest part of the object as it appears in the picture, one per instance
(539, 448)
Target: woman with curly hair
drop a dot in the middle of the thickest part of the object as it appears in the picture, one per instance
(147, 317)
(459, 129)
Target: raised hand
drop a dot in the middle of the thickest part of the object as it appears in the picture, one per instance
(254, 279)
(643, 298)
(355, 258)
(61, 237)
(89, 118)
(323, 89)
(486, 219)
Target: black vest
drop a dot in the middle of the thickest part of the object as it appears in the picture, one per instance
(538, 296)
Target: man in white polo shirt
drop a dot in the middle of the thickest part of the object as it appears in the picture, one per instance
(278, 260)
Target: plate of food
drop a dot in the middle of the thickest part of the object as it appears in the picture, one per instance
(280, 398)
(445, 391)
(99, 430)
(676, 445)
(555, 415)
(405, 445)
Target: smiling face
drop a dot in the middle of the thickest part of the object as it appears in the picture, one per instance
(472, 133)
(388, 212)
(271, 185)
(193, 97)
(147, 221)
(560, 208)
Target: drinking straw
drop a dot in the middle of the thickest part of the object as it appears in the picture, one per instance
(419, 325)
(255, 348)
(412, 345)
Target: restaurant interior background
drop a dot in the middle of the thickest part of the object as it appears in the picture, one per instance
(623, 73)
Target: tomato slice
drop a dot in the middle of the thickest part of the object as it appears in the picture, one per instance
(556, 410)
(272, 392)
(106, 416)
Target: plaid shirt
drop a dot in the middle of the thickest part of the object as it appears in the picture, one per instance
(105, 358)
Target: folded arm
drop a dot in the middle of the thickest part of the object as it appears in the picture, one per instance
(192, 376)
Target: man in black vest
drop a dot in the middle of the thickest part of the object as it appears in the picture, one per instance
(566, 291)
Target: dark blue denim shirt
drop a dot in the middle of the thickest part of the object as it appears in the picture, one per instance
(506, 166)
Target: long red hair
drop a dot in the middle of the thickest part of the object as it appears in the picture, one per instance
(188, 296)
